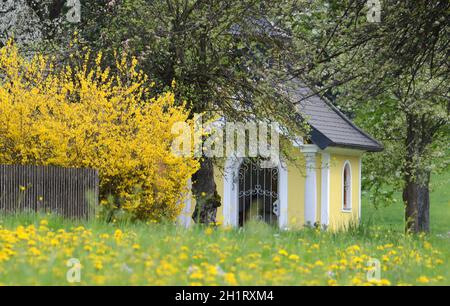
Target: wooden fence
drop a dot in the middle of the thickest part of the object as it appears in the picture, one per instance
(71, 193)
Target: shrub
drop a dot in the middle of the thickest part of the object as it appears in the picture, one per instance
(83, 115)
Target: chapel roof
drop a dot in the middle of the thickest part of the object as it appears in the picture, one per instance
(330, 127)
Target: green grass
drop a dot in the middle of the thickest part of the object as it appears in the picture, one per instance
(393, 216)
(33, 252)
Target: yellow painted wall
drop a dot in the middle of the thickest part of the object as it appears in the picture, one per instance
(338, 218)
(296, 192)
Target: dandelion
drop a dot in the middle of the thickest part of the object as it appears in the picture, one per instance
(315, 246)
(356, 281)
(230, 279)
(183, 256)
(423, 280)
(34, 251)
(118, 235)
(294, 257)
(197, 275)
(332, 282)
(319, 263)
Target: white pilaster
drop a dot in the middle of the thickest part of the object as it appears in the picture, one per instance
(310, 152)
(230, 192)
(283, 195)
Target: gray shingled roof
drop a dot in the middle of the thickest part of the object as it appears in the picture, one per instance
(329, 126)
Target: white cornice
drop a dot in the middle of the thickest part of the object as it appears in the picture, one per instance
(309, 148)
(344, 151)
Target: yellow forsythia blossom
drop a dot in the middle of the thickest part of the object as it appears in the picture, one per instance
(83, 115)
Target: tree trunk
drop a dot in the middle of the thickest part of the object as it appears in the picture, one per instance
(204, 187)
(205, 191)
(416, 195)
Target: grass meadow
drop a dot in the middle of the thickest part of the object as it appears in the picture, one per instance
(35, 250)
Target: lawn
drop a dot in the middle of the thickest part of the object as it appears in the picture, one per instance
(393, 216)
(35, 250)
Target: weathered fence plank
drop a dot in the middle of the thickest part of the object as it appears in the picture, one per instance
(71, 193)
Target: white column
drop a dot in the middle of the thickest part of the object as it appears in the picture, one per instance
(325, 190)
(310, 184)
(283, 195)
(230, 192)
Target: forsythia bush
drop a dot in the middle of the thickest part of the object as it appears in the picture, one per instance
(77, 116)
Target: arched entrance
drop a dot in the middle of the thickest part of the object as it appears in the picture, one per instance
(258, 193)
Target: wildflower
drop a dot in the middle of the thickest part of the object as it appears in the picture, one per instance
(356, 281)
(34, 251)
(283, 252)
(197, 275)
(230, 279)
(183, 256)
(319, 263)
(423, 280)
(294, 257)
(332, 282)
(98, 265)
(427, 245)
(118, 235)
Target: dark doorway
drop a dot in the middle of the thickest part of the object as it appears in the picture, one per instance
(258, 193)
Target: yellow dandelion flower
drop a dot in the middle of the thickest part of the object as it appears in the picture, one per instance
(423, 280)
(230, 279)
(319, 263)
(294, 257)
(332, 282)
(356, 281)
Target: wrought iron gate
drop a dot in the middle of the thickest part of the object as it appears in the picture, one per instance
(258, 193)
